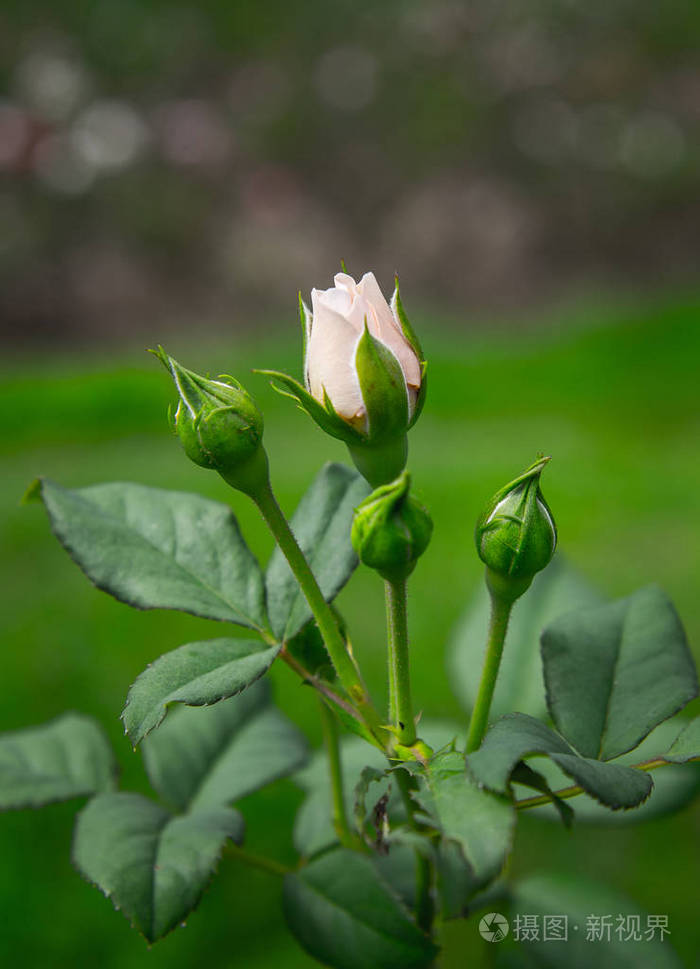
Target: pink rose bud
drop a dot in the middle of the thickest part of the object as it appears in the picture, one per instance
(364, 373)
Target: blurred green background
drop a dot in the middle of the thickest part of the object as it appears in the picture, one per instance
(174, 172)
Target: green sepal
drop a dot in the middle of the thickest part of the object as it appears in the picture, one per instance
(401, 318)
(531, 473)
(328, 421)
(422, 391)
(383, 389)
(400, 315)
(304, 314)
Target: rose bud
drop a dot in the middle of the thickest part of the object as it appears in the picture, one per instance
(391, 530)
(364, 373)
(516, 535)
(219, 426)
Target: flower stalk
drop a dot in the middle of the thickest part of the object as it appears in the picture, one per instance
(400, 702)
(339, 815)
(498, 626)
(340, 656)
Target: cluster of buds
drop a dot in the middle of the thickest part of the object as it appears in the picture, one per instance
(364, 383)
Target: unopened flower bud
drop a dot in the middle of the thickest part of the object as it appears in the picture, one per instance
(219, 426)
(364, 373)
(391, 530)
(516, 535)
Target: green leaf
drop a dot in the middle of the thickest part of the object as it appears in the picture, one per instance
(153, 866)
(344, 914)
(307, 647)
(456, 883)
(674, 786)
(687, 745)
(614, 672)
(368, 776)
(398, 866)
(205, 757)
(159, 549)
(579, 899)
(520, 685)
(65, 758)
(321, 525)
(480, 822)
(509, 740)
(197, 674)
(525, 775)
(611, 784)
(517, 736)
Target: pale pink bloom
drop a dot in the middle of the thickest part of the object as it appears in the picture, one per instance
(334, 329)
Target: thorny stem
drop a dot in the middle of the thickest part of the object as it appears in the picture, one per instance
(317, 683)
(401, 714)
(335, 644)
(500, 614)
(400, 704)
(330, 737)
(575, 789)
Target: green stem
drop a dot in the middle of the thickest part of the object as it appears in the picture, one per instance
(575, 789)
(425, 909)
(335, 644)
(330, 737)
(401, 706)
(401, 712)
(391, 662)
(500, 614)
(257, 861)
(318, 684)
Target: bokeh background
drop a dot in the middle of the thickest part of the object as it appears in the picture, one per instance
(175, 172)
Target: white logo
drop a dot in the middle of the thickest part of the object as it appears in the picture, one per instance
(493, 927)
